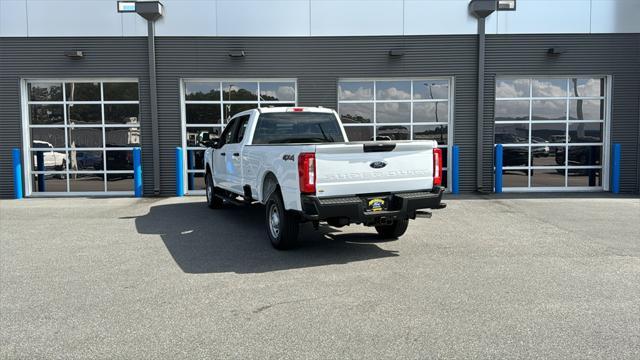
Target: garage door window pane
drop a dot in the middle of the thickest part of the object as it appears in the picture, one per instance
(232, 109)
(394, 132)
(119, 182)
(86, 160)
(431, 112)
(355, 90)
(86, 182)
(203, 113)
(48, 137)
(513, 88)
(547, 178)
(584, 177)
(515, 156)
(393, 90)
(43, 183)
(547, 156)
(549, 88)
(587, 87)
(46, 114)
(512, 110)
(122, 137)
(585, 132)
(549, 132)
(515, 178)
(549, 110)
(430, 89)
(83, 91)
(239, 91)
(202, 91)
(127, 91)
(438, 133)
(511, 133)
(393, 112)
(121, 113)
(44, 91)
(584, 155)
(356, 113)
(84, 114)
(277, 91)
(85, 137)
(586, 109)
(119, 160)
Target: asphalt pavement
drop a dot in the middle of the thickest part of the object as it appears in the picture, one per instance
(169, 278)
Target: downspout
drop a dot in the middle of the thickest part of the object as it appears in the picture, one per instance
(481, 9)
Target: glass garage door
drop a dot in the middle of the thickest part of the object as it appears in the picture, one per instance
(397, 109)
(553, 132)
(207, 106)
(79, 136)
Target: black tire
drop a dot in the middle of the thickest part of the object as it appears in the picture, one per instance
(282, 225)
(213, 201)
(393, 231)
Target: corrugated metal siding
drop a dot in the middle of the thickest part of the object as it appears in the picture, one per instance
(317, 63)
(44, 58)
(617, 55)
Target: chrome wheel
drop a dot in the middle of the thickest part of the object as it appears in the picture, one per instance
(274, 221)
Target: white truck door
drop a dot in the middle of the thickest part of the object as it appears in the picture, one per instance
(222, 156)
(234, 155)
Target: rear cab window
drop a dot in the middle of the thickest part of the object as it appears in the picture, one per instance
(297, 127)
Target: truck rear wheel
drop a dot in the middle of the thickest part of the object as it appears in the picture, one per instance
(282, 225)
(394, 230)
(213, 201)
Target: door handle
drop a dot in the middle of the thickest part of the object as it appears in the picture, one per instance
(223, 154)
(236, 154)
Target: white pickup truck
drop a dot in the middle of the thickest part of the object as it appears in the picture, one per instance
(300, 165)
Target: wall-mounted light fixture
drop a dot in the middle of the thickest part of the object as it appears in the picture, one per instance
(74, 54)
(506, 5)
(555, 51)
(396, 52)
(236, 53)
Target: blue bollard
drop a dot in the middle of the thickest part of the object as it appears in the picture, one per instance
(498, 169)
(137, 172)
(455, 171)
(17, 174)
(40, 167)
(615, 169)
(179, 172)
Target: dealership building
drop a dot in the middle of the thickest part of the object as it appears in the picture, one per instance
(555, 82)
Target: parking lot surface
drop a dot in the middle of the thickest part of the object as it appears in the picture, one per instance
(170, 278)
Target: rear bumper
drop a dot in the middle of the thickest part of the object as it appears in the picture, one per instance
(353, 209)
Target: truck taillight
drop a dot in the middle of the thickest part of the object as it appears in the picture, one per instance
(437, 167)
(307, 172)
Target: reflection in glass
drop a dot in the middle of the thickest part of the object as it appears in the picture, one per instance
(359, 133)
(232, 109)
(586, 109)
(202, 91)
(120, 91)
(85, 160)
(356, 113)
(549, 110)
(547, 178)
(512, 88)
(195, 181)
(511, 133)
(515, 156)
(584, 177)
(47, 137)
(586, 87)
(119, 160)
(84, 114)
(44, 91)
(393, 90)
(46, 114)
(393, 112)
(121, 113)
(277, 91)
(547, 156)
(355, 90)
(430, 89)
(195, 160)
(83, 137)
(549, 87)
(86, 182)
(548, 132)
(239, 91)
(48, 183)
(515, 110)
(445, 157)
(431, 111)
(393, 132)
(82, 91)
(202, 113)
(120, 136)
(120, 182)
(431, 132)
(585, 155)
(585, 132)
(515, 178)
(49, 160)
(195, 135)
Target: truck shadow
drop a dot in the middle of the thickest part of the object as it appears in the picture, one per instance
(233, 239)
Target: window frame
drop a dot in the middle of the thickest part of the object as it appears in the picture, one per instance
(28, 150)
(567, 122)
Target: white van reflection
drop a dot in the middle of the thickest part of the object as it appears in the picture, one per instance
(51, 160)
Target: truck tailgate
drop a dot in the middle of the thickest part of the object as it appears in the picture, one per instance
(373, 167)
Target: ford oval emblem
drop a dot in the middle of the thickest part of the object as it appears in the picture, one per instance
(378, 164)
